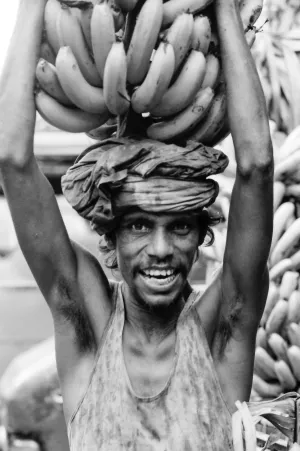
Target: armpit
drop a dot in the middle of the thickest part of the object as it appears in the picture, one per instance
(227, 326)
(70, 311)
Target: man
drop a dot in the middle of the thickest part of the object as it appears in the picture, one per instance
(146, 364)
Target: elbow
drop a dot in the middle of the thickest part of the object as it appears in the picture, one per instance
(256, 161)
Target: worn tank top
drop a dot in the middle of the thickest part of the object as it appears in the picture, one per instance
(189, 414)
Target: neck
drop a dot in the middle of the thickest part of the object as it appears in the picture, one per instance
(152, 324)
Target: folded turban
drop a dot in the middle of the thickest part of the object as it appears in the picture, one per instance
(115, 175)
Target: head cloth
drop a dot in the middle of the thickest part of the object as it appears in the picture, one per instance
(110, 177)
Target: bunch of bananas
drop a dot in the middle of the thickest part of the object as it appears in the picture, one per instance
(277, 357)
(106, 61)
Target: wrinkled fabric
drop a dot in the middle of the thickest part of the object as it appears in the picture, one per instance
(118, 174)
(189, 414)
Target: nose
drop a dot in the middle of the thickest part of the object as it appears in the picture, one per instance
(160, 245)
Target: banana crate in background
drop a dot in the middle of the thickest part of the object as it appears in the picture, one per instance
(152, 63)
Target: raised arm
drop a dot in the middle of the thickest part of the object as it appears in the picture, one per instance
(64, 272)
(244, 278)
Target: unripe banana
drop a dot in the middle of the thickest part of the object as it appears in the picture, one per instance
(277, 271)
(126, 5)
(114, 81)
(47, 53)
(72, 36)
(180, 35)
(212, 72)
(201, 34)
(284, 375)
(294, 360)
(214, 120)
(250, 11)
(52, 10)
(261, 338)
(143, 40)
(70, 120)
(293, 314)
(293, 332)
(288, 284)
(181, 94)
(286, 245)
(184, 121)
(264, 364)
(173, 8)
(103, 34)
(278, 346)
(272, 298)
(46, 75)
(157, 80)
(277, 317)
(266, 389)
(279, 192)
(83, 95)
(281, 216)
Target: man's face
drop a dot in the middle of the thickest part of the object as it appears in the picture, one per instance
(155, 254)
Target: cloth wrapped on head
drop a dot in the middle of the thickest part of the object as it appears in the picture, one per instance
(115, 175)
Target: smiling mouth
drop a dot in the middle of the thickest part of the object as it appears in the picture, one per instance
(162, 277)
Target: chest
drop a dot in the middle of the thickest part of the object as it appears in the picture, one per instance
(149, 368)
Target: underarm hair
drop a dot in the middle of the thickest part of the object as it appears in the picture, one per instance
(227, 324)
(72, 311)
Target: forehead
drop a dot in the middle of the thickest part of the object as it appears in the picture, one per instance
(160, 218)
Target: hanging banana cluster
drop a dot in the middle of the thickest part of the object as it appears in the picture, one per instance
(277, 57)
(159, 60)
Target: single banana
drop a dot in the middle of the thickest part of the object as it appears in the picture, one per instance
(180, 35)
(157, 80)
(293, 332)
(46, 75)
(289, 283)
(286, 244)
(277, 271)
(52, 10)
(264, 364)
(72, 36)
(212, 72)
(214, 120)
(70, 120)
(85, 96)
(294, 360)
(114, 80)
(143, 40)
(261, 338)
(173, 8)
(184, 121)
(103, 34)
(181, 94)
(272, 298)
(284, 375)
(266, 389)
(250, 11)
(47, 52)
(293, 314)
(281, 217)
(201, 34)
(277, 317)
(126, 5)
(279, 347)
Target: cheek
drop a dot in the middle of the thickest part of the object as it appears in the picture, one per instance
(128, 249)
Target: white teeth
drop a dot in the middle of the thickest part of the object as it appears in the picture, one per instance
(159, 273)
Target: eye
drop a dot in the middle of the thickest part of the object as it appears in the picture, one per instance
(139, 227)
(182, 228)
